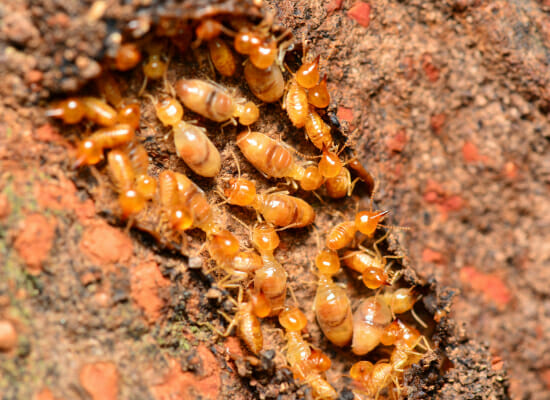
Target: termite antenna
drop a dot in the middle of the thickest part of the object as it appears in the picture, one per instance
(418, 319)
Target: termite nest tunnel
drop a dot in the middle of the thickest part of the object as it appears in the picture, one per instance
(210, 133)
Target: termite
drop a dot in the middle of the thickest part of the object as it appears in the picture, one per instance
(214, 102)
(369, 321)
(123, 177)
(271, 279)
(90, 151)
(196, 149)
(365, 222)
(269, 156)
(298, 354)
(276, 208)
(317, 130)
(318, 96)
(266, 84)
(127, 57)
(248, 326)
(332, 305)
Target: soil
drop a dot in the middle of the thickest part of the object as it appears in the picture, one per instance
(446, 103)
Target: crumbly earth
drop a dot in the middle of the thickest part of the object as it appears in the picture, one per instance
(448, 104)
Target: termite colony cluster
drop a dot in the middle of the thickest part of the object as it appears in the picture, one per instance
(115, 138)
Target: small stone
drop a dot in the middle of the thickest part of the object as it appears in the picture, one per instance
(88, 68)
(8, 335)
(360, 12)
(194, 263)
(34, 241)
(5, 207)
(213, 294)
(100, 380)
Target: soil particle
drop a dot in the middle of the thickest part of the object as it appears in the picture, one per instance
(345, 114)
(471, 155)
(106, 245)
(100, 380)
(432, 256)
(360, 12)
(19, 29)
(146, 282)
(48, 133)
(45, 394)
(8, 335)
(396, 143)
(34, 241)
(5, 207)
(182, 385)
(545, 376)
(491, 285)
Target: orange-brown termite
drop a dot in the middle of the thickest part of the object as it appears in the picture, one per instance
(155, 67)
(144, 184)
(307, 75)
(269, 156)
(312, 179)
(127, 57)
(373, 267)
(70, 111)
(248, 325)
(271, 279)
(298, 354)
(206, 98)
(247, 113)
(214, 102)
(267, 84)
(341, 185)
(401, 300)
(129, 113)
(98, 111)
(362, 174)
(90, 151)
(178, 215)
(193, 199)
(318, 96)
(209, 29)
(332, 305)
(369, 321)
(296, 104)
(405, 338)
(330, 164)
(276, 208)
(284, 210)
(168, 110)
(245, 41)
(258, 44)
(196, 149)
(222, 57)
(371, 379)
(365, 222)
(317, 130)
(123, 177)
(109, 88)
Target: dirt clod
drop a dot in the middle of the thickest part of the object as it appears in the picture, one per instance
(34, 241)
(178, 384)
(5, 207)
(8, 335)
(100, 380)
(104, 244)
(146, 283)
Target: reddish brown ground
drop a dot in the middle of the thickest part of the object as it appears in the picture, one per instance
(450, 99)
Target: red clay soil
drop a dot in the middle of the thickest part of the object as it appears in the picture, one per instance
(448, 104)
